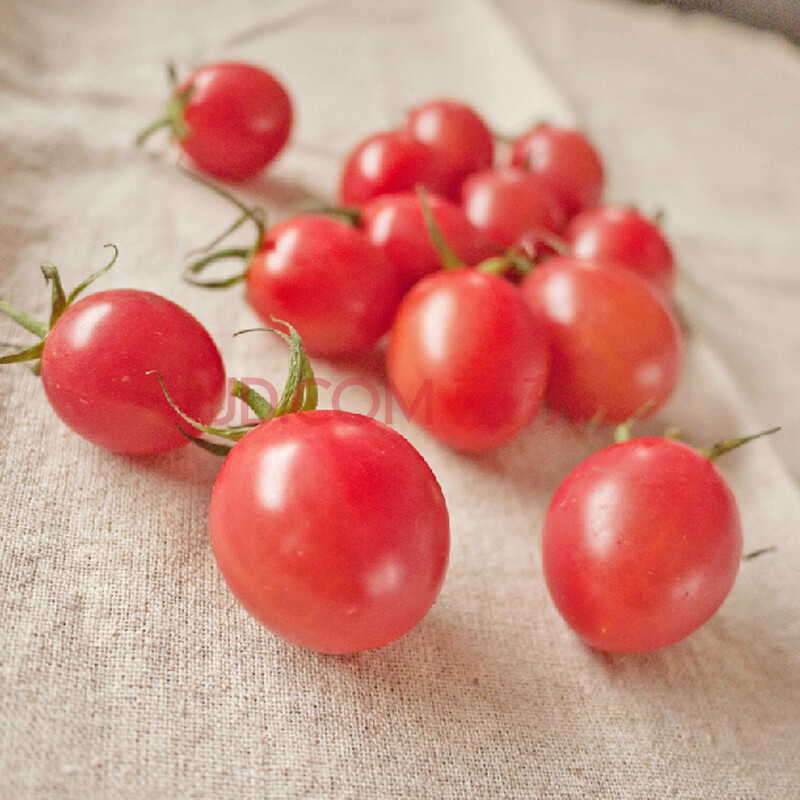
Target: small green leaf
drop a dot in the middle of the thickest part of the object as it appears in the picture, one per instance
(448, 257)
(259, 405)
(28, 354)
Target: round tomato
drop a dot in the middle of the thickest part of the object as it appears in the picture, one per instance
(391, 161)
(95, 364)
(641, 544)
(625, 237)
(566, 159)
(395, 223)
(468, 359)
(331, 530)
(459, 137)
(325, 278)
(506, 203)
(616, 349)
(230, 118)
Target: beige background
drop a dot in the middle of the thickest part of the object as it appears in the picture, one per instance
(126, 668)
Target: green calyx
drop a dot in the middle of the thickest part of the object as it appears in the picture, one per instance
(209, 255)
(299, 394)
(173, 117)
(59, 303)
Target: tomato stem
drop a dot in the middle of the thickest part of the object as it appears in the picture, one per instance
(720, 448)
(446, 254)
(173, 117)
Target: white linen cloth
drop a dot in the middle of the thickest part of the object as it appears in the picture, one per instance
(128, 671)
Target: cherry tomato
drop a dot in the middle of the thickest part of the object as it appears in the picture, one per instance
(325, 278)
(231, 119)
(625, 237)
(468, 359)
(566, 159)
(95, 365)
(460, 138)
(641, 544)
(505, 203)
(616, 348)
(392, 161)
(395, 223)
(331, 530)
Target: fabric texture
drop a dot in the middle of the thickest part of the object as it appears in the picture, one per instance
(127, 669)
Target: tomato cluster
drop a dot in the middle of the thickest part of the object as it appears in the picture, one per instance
(503, 283)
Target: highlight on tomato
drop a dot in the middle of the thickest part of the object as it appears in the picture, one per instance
(232, 119)
(95, 355)
(328, 527)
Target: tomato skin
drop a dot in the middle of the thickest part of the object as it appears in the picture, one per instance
(385, 163)
(465, 342)
(641, 545)
(616, 348)
(238, 117)
(326, 279)
(461, 140)
(504, 203)
(331, 530)
(95, 362)
(395, 223)
(625, 237)
(566, 159)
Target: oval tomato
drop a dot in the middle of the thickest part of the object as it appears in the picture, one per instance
(95, 366)
(331, 530)
(641, 544)
(468, 358)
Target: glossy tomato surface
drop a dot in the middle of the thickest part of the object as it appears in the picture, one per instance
(95, 363)
(395, 224)
(616, 349)
(331, 530)
(506, 202)
(460, 138)
(641, 544)
(625, 237)
(238, 118)
(566, 159)
(383, 163)
(467, 359)
(326, 279)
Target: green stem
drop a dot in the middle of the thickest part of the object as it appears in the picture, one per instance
(446, 254)
(720, 448)
(29, 323)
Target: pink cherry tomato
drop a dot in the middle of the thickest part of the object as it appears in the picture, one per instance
(331, 530)
(459, 137)
(395, 224)
(616, 348)
(504, 203)
(326, 279)
(383, 163)
(641, 545)
(237, 118)
(467, 359)
(624, 236)
(95, 366)
(566, 159)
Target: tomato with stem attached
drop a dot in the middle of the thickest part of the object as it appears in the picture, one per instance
(230, 118)
(95, 356)
(642, 543)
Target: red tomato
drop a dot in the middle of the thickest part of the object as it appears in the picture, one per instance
(467, 359)
(461, 140)
(616, 349)
(237, 118)
(95, 362)
(623, 236)
(641, 545)
(395, 224)
(327, 280)
(566, 159)
(393, 161)
(505, 203)
(331, 530)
